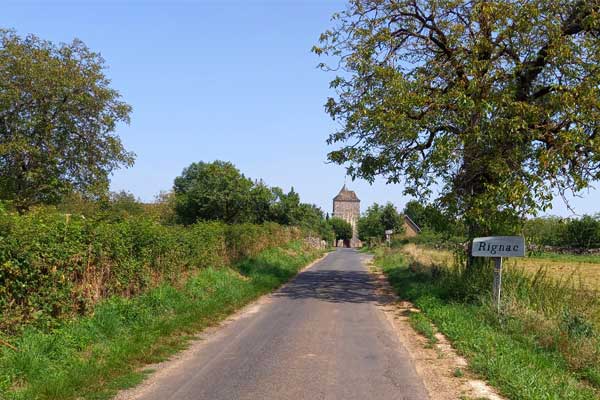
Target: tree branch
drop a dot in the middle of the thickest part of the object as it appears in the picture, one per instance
(531, 70)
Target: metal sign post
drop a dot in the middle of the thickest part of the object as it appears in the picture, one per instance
(388, 236)
(497, 281)
(497, 247)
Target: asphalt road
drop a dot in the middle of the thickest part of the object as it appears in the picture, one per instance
(320, 337)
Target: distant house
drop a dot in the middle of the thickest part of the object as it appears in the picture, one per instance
(410, 227)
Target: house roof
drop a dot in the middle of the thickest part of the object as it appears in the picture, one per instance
(346, 195)
(412, 223)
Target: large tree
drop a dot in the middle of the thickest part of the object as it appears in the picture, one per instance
(213, 191)
(58, 115)
(497, 103)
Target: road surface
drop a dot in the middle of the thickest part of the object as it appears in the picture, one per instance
(322, 336)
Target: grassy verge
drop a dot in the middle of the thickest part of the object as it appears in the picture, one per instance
(422, 324)
(544, 345)
(92, 357)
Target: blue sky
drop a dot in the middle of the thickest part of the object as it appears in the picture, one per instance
(229, 80)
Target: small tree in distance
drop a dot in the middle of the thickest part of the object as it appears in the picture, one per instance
(376, 220)
(341, 228)
(370, 229)
(391, 219)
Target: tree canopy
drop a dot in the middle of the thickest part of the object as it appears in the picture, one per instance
(341, 228)
(390, 218)
(219, 191)
(432, 218)
(376, 220)
(495, 103)
(58, 115)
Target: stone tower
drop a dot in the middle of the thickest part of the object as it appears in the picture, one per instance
(346, 205)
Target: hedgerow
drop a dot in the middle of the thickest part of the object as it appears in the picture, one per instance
(54, 266)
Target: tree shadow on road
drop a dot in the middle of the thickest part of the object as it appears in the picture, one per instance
(334, 286)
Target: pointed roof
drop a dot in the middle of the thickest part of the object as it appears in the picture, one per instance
(412, 223)
(346, 195)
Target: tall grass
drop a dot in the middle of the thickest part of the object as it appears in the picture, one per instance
(545, 342)
(92, 356)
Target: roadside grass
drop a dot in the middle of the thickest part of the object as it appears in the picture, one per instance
(422, 324)
(95, 356)
(545, 343)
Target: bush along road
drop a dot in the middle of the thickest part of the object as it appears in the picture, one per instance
(92, 356)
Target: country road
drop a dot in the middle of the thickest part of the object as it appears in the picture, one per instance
(322, 336)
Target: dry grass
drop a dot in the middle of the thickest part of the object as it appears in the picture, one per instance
(582, 274)
(428, 256)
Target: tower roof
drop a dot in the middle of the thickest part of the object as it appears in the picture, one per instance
(346, 195)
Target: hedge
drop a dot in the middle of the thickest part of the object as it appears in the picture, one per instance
(54, 266)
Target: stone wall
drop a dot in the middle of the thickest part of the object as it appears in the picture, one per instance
(316, 242)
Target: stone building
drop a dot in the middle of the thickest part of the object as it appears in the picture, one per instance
(346, 205)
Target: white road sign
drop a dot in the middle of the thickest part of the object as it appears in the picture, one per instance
(499, 246)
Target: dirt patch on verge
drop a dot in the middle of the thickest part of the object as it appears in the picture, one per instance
(444, 373)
